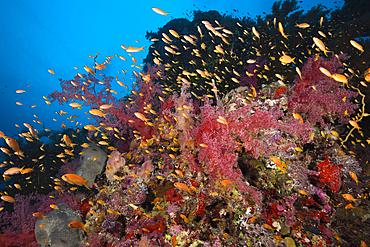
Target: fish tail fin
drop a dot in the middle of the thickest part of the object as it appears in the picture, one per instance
(355, 201)
(325, 52)
(21, 170)
(85, 183)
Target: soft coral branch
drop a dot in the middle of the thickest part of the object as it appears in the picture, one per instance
(317, 95)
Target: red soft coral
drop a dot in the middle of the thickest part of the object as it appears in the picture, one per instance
(329, 175)
(317, 95)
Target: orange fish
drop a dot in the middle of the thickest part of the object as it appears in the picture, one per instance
(39, 216)
(58, 188)
(349, 198)
(77, 224)
(88, 69)
(278, 238)
(101, 202)
(14, 145)
(179, 172)
(303, 192)
(334, 133)
(113, 212)
(100, 66)
(75, 105)
(97, 112)
(184, 217)
(159, 11)
(20, 91)
(349, 206)
(51, 71)
(325, 71)
(54, 206)
(174, 33)
(155, 200)
(135, 49)
(68, 141)
(298, 149)
(254, 31)
(268, 227)
(140, 116)
(354, 124)
(75, 179)
(297, 116)
(302, 25)
(367, 77)
(357, 45)
(320, 45)
(251, 220)
(145, 230)
(5, 150)
(104, 107)
(354, 176)
(285, 59)
(280, 164)
(281, 30)
(340, 78)
(8, 199)
(222, 120)
(182, 186)
(13, 170)
(226, 182)
(91, 128)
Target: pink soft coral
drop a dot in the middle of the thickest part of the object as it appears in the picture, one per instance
(121, 115)
(317, 95)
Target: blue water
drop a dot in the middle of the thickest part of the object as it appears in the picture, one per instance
(42, 35)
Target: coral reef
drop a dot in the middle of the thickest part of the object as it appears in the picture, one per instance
(239, 132)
